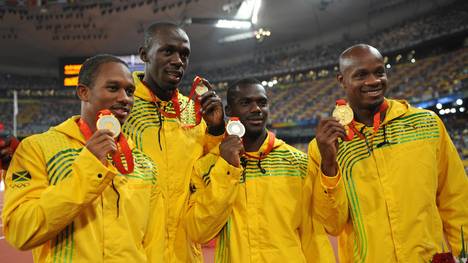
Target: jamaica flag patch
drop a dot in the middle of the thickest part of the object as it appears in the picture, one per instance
(20, 179)
(21, 176)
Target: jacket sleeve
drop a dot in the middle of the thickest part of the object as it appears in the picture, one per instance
(154, 240)
(214, 187)
(452, 192)
(329, 201)
(210, 142)
(36, 211)
(314, 239)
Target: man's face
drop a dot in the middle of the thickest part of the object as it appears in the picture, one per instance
(364, 80)
(112, 89)
(250, 104)
(167, 57)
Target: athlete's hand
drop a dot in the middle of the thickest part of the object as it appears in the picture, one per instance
(328, 132)
(231, 150)
(101, 144)
(212, 110)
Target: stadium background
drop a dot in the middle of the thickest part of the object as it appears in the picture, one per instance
(291, 46)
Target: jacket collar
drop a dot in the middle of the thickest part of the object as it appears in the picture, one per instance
(142, 91)
(264, 146)
(396, 109)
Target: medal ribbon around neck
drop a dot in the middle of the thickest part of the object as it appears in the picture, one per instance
(121, 142)
(176, 103)
(270, 147)
(376, 122)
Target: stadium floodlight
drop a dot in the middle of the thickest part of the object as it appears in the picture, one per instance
(256, 9)
(234, 24)
(462, 109)
(264, 83)
(237, 37)
(441, 112)
(453, 110)
(413, 60)
(389, 66)
(249, 9)
(459, 102)
(439, 106)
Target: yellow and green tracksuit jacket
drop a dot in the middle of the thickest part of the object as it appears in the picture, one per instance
(406, 187)
(269, 216)
(175, 149)
(65, 205)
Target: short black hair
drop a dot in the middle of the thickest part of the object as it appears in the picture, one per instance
(233, 88)
(152, 29)
(90, 68)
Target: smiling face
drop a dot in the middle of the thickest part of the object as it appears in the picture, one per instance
(249, 103)
(363, 77)
(112, 88)
(166, 57)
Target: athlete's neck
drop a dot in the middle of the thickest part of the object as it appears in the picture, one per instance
(366, 116)
(162, 94)
(253, 142)
(89, 120)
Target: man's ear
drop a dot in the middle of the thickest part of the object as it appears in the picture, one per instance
(83, 92)
(227, 110)
(143, 54)
(339, 77)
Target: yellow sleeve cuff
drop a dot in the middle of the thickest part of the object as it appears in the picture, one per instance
(330, 182)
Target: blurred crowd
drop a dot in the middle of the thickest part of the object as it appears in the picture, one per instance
(445, 21)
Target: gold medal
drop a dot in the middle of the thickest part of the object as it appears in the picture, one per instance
(109, 122)
(344, 114)
(235, 127)
(200, 89)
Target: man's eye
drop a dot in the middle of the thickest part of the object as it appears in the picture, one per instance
(130, 92)
(360, 75)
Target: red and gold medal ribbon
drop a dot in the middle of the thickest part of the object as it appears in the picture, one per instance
(270, 147)
(122, 146)
(176, 103)
(352, 129)
(376, 122)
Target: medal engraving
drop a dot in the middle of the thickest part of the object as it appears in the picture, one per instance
(235, 127)
(344, 114)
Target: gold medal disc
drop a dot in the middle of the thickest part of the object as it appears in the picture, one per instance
(201, 89)
(109, 122)
(344, 114)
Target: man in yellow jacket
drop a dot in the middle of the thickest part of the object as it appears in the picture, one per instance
(167, 126)
(405, 182)
(67, 201)
(260, 196)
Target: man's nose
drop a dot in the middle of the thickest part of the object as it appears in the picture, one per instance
(176, 59)
(372, 80)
